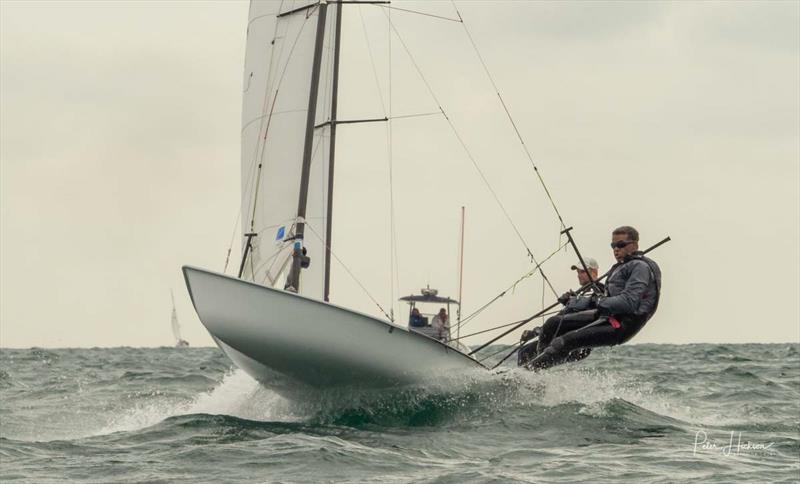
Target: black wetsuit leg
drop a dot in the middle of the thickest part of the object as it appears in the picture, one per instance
(529, 351)
(526, 353)
(575, 341)
(562, 323)
(602, 334)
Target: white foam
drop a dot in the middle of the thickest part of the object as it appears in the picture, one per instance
(594, 387)
(241, 396)
(237, 395)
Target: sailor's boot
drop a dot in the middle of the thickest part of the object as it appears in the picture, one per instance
(547, 356)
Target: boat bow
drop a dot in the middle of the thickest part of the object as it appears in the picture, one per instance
(287, 341)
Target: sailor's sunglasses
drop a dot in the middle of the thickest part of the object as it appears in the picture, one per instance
(621, 244)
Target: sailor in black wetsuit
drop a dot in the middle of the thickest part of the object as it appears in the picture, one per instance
(632, 293)
(573, 304)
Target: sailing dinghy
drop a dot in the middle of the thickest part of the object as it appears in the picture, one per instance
(292, 343)
(275, 319)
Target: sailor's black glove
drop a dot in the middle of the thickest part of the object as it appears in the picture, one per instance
(564, 298)
(530, 334)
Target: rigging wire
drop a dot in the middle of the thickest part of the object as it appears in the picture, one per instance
(233, 237)
(325, 135)
(510, 118)
(424, 14)
(260, 164)
(393, 257)
(349, 272)
(467, 151)
(511, 287)
(419, 115)
(543, 301)
(386, 105)
(252, 269)
(494, 328)
(372, 60)
(503, 350)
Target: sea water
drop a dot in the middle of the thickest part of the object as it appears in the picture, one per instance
(639, 413)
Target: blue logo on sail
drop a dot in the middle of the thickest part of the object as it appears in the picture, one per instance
(281, 233)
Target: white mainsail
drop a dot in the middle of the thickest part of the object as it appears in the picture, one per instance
(277, 88)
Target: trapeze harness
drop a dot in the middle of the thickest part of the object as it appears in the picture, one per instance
(639, 321)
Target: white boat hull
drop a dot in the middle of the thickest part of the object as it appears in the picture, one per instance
(291, 343)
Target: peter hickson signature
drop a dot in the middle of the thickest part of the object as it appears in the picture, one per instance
(734, 446)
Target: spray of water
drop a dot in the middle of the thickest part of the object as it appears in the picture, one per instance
(453, 397)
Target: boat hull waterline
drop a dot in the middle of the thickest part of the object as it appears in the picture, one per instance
(293, 344)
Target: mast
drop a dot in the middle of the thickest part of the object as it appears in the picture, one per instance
(293, 281)
(334, 103)
(460, 274)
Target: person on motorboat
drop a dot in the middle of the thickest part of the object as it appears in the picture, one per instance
(441, 323)
(573, 303)
(631, 298)
(417, 320)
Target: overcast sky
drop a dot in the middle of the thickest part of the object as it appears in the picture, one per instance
(119, 159)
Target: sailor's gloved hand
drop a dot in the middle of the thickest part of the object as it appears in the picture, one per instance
(601, 311)
(530, 334)
(564, 298)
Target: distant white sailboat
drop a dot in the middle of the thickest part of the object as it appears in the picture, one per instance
(176, 328)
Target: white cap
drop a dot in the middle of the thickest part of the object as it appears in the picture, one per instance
(590, 263)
